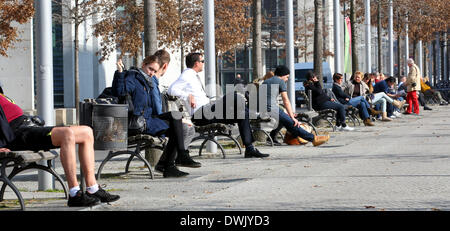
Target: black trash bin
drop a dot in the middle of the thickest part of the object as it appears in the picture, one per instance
(109, 122)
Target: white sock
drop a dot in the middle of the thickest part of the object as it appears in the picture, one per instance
(73, 191)
(92, 189)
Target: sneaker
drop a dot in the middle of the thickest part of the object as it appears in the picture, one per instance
(397, 114)
(347, 128)
(172, 171)
(392, 117)
(103, 196)
(255, 153)
(426, 108)
(82, 200)
(338, 128)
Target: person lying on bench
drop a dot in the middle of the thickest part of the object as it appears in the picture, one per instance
(34, 137)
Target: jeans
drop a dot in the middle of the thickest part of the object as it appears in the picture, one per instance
(288, 123)
(339, 108)
(361, 103)
(382, 98)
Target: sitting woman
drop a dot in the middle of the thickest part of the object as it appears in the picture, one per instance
(321, 101)
(358, 102)
(138, 84)
(356, 87)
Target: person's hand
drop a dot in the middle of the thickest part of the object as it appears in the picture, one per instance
(120, 66)
(332, 100)
(191, 99)
(347, 99)
(296, 122)
(4, 150)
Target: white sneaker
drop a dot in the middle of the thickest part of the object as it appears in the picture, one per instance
(338, 128)
(347, 128)
(392, 117)
(397, 114)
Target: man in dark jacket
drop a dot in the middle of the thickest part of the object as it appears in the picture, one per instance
(359, 102)
(321, 101)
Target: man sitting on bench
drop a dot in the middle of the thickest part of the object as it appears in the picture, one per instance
(189, 88)
(31, 136)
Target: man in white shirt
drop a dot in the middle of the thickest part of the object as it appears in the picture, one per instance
(190, 88)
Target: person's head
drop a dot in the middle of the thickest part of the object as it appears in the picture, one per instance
(337, 78)
(164, 60)
(238, 76)
(357, 76)
(410, 62)
(150, 65)
(403, 79)
(382, 76)
(282, 72)
(390, 81)
(195, 61)
(311, 76)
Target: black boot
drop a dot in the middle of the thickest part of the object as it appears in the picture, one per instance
(172, 171)
(185, 160)
(160, 166)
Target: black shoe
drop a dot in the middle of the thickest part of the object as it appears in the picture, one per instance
(427, 108)
(275, 142)
(190, 163)
(255, 153)
(103, 195)
(173, 171)
(82, 200)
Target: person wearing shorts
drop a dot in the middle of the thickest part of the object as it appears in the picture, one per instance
(33, 136)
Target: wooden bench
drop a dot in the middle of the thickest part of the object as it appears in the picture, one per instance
(25, 160)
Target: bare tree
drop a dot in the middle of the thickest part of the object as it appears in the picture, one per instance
(76, 13)
(13, 11)
(257, 50)
(318, 40)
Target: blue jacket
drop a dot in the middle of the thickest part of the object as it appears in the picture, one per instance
(134, 83)
(381, 86)
(156, 96)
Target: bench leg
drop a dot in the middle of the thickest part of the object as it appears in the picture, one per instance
(47, 168)
(8, 182)
(114, 154)
(214, 141)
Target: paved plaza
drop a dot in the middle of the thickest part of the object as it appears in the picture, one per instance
(399, 165)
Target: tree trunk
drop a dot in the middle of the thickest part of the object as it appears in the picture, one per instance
(355, 63)
(380, 48)
(150, 39)
(257, 50)
(318, 40)
(180, 11)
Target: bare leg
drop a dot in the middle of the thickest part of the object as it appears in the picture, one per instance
(66, 138)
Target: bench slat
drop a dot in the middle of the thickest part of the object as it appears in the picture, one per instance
(29, 156)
